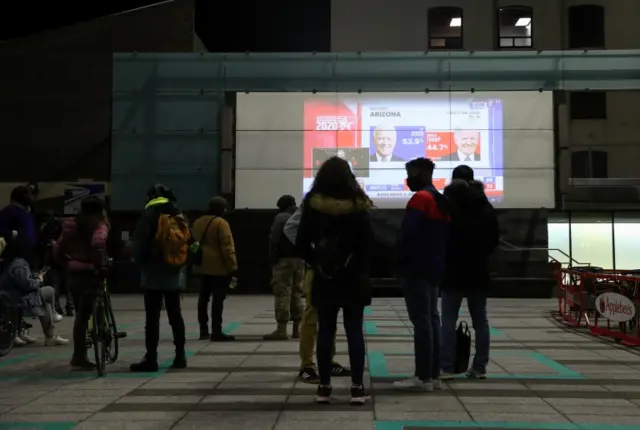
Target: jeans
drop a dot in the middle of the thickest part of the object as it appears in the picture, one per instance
(422, 305)
(214, 288)
(46, 321)
(477, 304)
(84, 289)
(309, 327)
(56, 278)
(152, 304)
(327, 325)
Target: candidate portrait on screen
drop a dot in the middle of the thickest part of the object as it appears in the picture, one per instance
(384, 142)
(466, 145)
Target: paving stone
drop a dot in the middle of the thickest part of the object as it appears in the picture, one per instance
(252, 384)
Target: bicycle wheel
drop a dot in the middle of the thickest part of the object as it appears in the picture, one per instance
(8, 323)
(112, 329)
(98, 338)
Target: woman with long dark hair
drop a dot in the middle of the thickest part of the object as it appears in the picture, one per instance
(28, 291)
(82, 251)
(334, 238)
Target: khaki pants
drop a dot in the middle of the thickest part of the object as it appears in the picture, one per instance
(309, 327)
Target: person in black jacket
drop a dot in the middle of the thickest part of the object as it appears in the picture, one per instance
(161, 282)
(334, 238)
(473, 237)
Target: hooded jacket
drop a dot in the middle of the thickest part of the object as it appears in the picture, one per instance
(349, 219)
(474, 235)
(77, 254)
(155, 274)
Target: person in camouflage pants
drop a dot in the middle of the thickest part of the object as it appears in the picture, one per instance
(288, 288)
(287, 281)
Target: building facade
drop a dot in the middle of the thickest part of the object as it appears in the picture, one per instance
(597, 132)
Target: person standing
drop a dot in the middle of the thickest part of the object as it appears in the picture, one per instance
(334, 238)
(50, 231)
(474, 236)
(81, 251)
(161, 242)
(287, 274)
(422, 247)
(218, 267)
(16, 219)
(309, 323)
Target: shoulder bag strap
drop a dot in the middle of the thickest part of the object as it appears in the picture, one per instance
(204, 234)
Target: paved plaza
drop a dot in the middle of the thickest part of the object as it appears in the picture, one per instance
(541, 377)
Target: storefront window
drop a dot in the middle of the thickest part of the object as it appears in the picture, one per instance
(627, 240)
(592, 239)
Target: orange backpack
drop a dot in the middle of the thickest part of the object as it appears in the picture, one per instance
(172, 239)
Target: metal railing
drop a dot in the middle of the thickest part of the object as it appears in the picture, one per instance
(509, 247)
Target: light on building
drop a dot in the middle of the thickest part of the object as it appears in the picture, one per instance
(522, 22)
(456, 22)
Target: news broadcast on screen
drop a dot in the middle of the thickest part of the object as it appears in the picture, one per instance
(507, 138)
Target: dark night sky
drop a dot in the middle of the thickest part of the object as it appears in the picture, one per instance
(222, 25)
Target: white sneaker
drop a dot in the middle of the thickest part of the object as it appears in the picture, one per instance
(437, 384)
(57, 317)
(26, 338)
(413, 384)
(18, 342)
(56, 341)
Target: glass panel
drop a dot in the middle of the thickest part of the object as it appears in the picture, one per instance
(506, 42)
(592, 239)
(558, 238)
(626, 229)
(523, 42)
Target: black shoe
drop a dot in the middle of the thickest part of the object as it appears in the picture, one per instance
(339, 371)
(144, 366)
(358, 395)
(180, 362)
(69, 312)
(323, 395)
(221, 337)
(204, 335)
(308, 375)
(82, 364)
(59, 311)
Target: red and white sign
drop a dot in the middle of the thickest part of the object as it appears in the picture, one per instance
(615, 307)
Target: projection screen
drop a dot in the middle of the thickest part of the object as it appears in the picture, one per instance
(506, 137)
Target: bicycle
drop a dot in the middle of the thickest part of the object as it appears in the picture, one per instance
(103, 333)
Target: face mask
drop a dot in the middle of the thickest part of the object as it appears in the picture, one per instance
(25, 201)
(414, 183)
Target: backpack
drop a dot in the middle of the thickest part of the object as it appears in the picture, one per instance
(332, 252)
(173, 238)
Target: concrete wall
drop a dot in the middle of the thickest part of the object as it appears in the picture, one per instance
(401, 25)
(55, 90)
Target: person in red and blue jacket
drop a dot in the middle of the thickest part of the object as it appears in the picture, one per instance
(422, 244)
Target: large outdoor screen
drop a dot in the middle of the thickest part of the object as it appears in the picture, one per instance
(506, 137)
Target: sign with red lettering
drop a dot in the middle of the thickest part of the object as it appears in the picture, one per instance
(615, 307)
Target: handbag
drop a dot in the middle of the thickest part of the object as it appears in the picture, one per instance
(463, 348)
(198, 256)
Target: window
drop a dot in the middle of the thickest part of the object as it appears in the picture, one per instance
(588, 105)
(514, 27)
(586, 27)
(589, 164)
(445, 28)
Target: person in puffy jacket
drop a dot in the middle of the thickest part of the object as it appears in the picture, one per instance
(474, 236)
(28, 291)
(81, 251)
